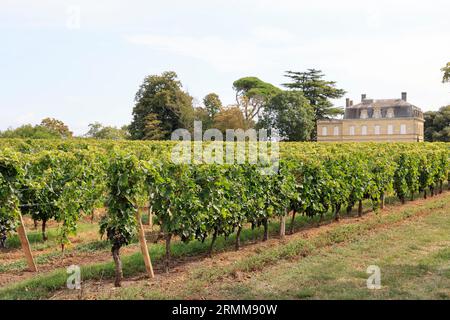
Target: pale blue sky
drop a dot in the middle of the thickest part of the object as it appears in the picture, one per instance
(91, 73)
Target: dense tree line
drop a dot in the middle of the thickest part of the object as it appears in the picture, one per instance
(49, 128)
(291, 112)
(437, 125)
(162, 106)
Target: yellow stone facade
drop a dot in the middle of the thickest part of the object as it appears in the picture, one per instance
(375, 120)
(406, 130)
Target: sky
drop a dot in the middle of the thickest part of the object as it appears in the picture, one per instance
(82, 61)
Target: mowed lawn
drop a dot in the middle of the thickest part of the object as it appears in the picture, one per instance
(414, 261)
(411, 246)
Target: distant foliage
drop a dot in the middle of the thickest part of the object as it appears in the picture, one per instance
(212, 104)
(161, 107)
(29, 131)
(57, 126)
(437, 125)
(318, 91)
(229, 118)
(98, 131)
(446, 71)
(252, 95)
(290, 114)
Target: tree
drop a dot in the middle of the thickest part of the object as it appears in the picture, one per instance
(57, 126)
(212, 104)
(29, 131)
(206, 113)
(49, 128)
(153, 129)
(446, 71)
(318, 91)
(98, 131)
(252, 94)
(94, 129)
(201, 114)
(437, 125)
(290, 113)
(229, 118)
(162, 96)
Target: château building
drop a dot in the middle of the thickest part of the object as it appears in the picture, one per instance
(375, 120)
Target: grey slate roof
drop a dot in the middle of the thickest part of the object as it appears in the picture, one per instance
(401, 108)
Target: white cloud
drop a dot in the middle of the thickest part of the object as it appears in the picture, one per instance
(224, 55)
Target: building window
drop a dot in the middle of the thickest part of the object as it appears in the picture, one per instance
(336, 131)
(377, 129)
(390, 113)
(377, 113)
(364, 114)
(390, 129)
(324, 131)
(403, 129)
(364, 130)
(352, 130)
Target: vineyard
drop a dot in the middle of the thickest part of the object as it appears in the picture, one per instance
(65, 181)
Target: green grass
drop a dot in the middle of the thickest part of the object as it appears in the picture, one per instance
(94, 246)
(35, 237)
(45, 258)
(21, 265)
(43, 285)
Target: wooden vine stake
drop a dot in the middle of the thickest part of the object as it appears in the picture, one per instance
(150, 217)
(283, 226)
(144, 248)
(26, 245)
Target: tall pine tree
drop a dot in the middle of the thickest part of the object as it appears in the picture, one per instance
(318, 92)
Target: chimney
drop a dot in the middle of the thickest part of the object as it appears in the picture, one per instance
(363, 97)
(404, 96)
(351, 103)
(347, 102)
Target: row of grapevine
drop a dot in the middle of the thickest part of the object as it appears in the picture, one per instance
(63, 180)
(194, 202)
(10, 173)
(49, 185)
